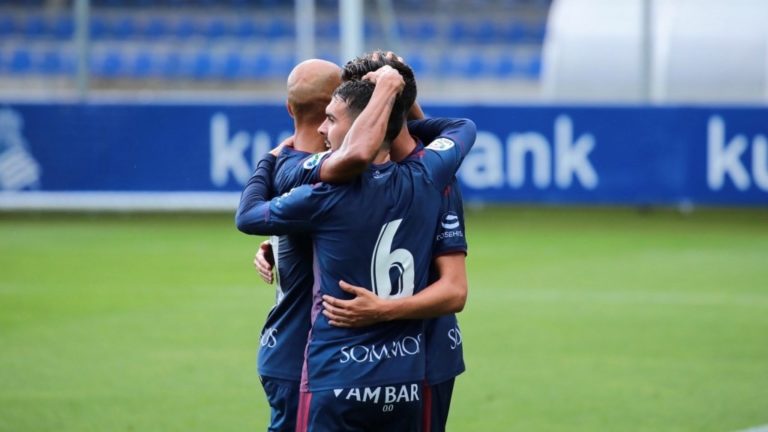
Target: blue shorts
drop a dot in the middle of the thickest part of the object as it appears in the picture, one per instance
(366, 409)
(437, 402)
(283, 398)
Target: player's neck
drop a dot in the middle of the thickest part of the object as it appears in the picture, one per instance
(382, 157)
(308, 140)
(403, 145)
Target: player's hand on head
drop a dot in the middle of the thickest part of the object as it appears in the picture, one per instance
(264, 261)
(392, 56)
(386, 75)
(288, 142)
(362, 310)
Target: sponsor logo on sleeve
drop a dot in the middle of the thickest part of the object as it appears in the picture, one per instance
(314, 160)
(451, 226)
(441, 144)
(450, 221)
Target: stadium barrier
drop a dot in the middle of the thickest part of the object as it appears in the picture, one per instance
(171, 157)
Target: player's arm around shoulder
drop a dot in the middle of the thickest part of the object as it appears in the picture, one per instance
(443, 156)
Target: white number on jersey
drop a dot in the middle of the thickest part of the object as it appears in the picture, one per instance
(386, 260)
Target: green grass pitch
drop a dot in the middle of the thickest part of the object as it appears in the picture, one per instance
(577, 319)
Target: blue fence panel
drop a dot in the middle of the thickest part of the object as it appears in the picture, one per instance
(548, 154)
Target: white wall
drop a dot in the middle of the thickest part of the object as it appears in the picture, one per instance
(703, 51)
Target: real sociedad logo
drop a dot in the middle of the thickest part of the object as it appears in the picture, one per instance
(441, 144)
(450, 221)
(314, 160)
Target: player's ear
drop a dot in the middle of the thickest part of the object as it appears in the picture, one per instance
(288, 107)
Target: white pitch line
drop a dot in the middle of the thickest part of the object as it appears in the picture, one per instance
(761, 428)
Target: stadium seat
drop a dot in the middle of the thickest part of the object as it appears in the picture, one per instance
(484, 31)
(214, 28)
(258, 65)
(184, 28)
(21, 61)
(156, 28)
(124, 28)
(109, 65)
(63, 27)
(98, 27)
(417, 63)
(170, 65)
(34, 26)
(142, 65)
(50, 63)
(233, 66)
(203, 65)
(328, 29)
(245, 28)
(504, 66)
(6, 25)
(279, 28)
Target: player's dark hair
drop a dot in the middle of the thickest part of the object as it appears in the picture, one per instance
(357, 94)
(356, 69)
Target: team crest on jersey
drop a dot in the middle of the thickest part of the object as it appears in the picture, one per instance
(441, 144)
(450, 221)
(314, 160)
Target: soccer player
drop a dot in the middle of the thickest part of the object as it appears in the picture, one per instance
(445, 359)
(361, 231)
(283, 337)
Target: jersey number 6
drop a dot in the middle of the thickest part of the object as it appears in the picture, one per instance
(391, 270)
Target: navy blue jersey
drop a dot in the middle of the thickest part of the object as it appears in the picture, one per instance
(445, 356)
(284, 336)
(376, 231)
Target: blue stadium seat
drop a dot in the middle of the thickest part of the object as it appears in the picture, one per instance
(233, 66)
(21, 61)
(142, 65)
(245, 28)
(63, 27)
(203, 65)
(170, 66)
(215, 28)
(184, 28)
(98, 27)
(327, 29)
(417, 63)
(504, 66)
(513, 32)
(6, 25)
(282, 64)
(124, 28)
(485, 31)
(279, 28)
(458, 31)
(257, 66)
(535, 32)
(418, 31)
(110, 65)
(531, 68)
(34, 26)
(51, 63)
(473, 66)
(156, 28)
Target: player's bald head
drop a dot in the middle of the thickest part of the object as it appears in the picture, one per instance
(310, 86)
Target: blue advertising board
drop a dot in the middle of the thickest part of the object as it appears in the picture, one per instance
(542, 154)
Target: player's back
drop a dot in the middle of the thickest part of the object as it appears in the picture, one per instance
(377, 233)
